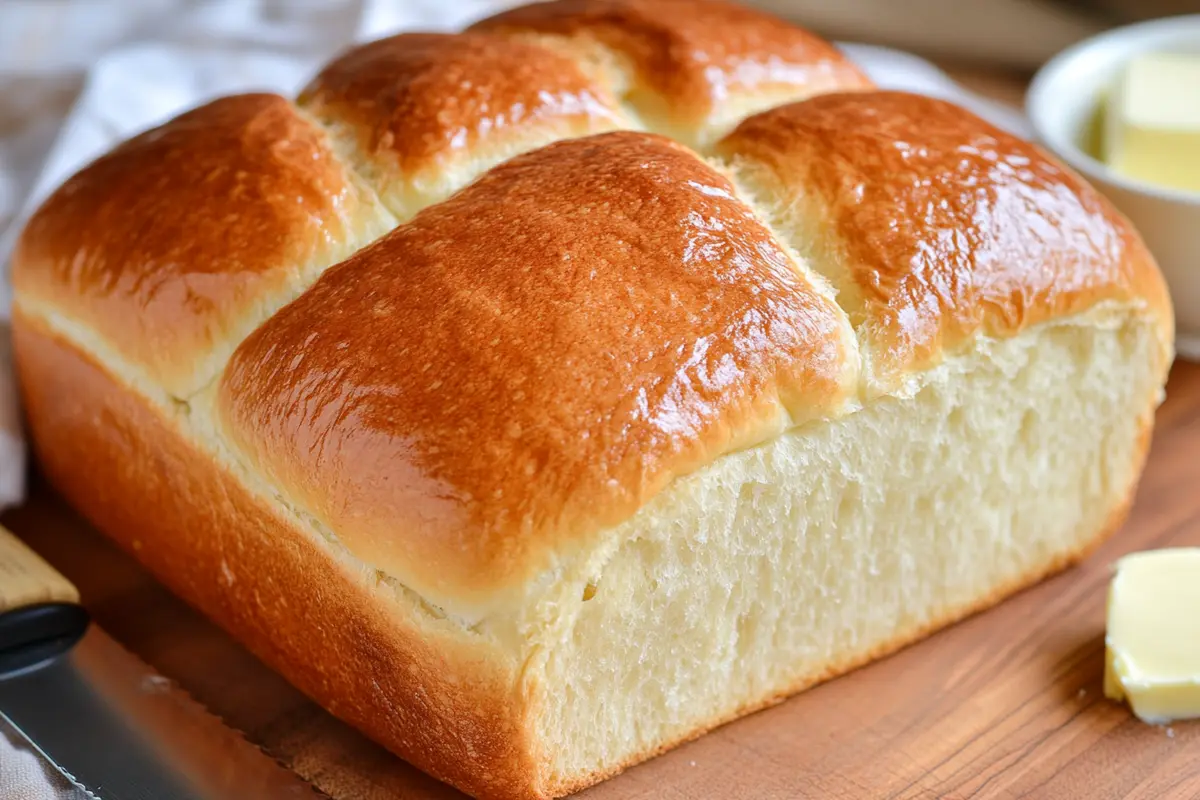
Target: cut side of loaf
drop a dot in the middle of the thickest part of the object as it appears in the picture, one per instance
(540, 397)
(837, 543)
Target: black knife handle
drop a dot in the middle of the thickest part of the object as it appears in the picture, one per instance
(33, 636)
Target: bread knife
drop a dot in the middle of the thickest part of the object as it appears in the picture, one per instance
(107, 721)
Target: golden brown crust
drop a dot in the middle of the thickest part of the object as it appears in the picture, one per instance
(935, 225)
(420, 690)
(531, 360)
(693, 56)
(418, 102)
(168, 245)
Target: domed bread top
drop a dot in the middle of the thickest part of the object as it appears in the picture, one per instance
(691, 68)
(179, 242)
(472, 396)
(531, 360)
(423, 114)
(933, 225)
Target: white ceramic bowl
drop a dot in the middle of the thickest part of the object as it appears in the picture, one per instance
(1061, 105)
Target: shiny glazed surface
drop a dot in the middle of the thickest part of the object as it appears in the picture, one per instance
(934, 225)
(254, 198)
(534, 358)
(418, 98)
(693, 55)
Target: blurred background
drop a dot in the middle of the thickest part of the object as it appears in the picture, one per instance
(1011, 33)
(997, 34)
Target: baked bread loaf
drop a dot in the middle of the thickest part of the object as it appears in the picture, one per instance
(539, 397)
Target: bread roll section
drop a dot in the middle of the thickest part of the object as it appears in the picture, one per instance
(173, 247)
(472, 398)
(423, 114)
(934, 226)
(689, 71)
(531, 446)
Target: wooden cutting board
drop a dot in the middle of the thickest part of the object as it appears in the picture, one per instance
(1005, 704)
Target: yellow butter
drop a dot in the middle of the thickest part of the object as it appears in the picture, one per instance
(1153, 639)
(1152, 125)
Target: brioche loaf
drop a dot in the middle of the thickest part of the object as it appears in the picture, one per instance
(539, 397)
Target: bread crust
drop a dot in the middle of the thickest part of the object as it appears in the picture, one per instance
(417, 101)
(178, 242)
(929, 222)
(444, 702)
(533, 359)
(692, 56)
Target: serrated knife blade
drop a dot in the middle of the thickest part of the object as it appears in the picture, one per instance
(108, 722)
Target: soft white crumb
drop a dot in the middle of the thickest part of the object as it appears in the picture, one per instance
(1170, 733)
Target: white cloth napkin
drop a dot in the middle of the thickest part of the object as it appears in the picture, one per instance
(76, 78)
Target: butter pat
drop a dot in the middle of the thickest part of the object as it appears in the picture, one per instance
(1153, 640)
(1152, 125)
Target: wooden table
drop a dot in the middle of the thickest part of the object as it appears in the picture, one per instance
(1005, 704)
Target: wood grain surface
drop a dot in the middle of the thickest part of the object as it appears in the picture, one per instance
(1005, 704)
(26, 579)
